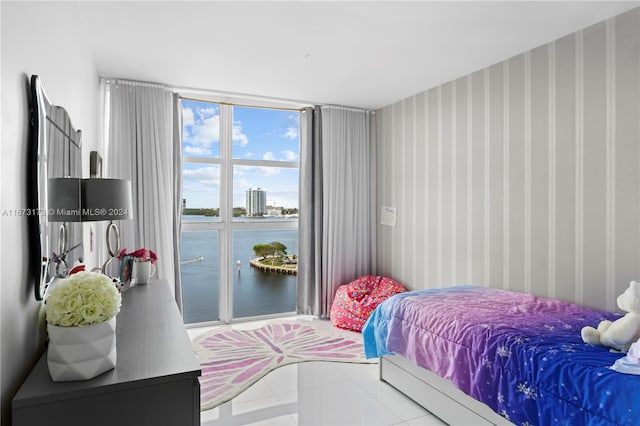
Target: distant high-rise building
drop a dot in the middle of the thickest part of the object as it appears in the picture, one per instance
(256, 202)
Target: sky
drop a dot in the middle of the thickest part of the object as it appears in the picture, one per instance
(257, 134)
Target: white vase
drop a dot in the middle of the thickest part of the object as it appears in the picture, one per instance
(81, 353)
(142, 271)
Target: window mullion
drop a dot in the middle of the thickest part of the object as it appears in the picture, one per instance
(226, 172)
(266, 163)
(201, 160)
(226, 212)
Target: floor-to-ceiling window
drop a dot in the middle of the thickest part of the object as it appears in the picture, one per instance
(240, 210)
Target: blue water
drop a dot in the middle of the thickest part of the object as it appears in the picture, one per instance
(254, 292)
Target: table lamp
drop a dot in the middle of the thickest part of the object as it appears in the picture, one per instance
(107, 199)
(63, 205)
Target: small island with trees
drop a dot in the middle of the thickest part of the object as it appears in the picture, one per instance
(273, 257)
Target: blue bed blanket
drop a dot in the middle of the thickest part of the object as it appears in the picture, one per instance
(520, 354)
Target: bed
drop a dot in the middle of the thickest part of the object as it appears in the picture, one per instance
(479, 355)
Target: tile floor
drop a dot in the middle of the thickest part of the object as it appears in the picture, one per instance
(318, 393)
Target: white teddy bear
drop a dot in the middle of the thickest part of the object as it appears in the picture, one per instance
(621, 333)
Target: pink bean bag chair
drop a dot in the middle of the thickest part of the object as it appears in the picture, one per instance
(354, 302)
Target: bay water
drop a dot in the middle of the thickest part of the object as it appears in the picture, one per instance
(255, 292)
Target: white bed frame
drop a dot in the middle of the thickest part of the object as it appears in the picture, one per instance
(435, 394)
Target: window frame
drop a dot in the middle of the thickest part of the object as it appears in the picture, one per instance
(226, 225)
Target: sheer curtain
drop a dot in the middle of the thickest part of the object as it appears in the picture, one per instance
(337, 234)
(140, 123)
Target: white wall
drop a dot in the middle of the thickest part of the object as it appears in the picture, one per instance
(524, 175)
(44, 38)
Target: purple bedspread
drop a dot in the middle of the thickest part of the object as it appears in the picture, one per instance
(520, 354)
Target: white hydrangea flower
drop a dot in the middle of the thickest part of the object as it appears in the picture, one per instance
(82, 299)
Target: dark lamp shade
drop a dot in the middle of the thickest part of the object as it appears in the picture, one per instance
(63, 199)
(106, 199)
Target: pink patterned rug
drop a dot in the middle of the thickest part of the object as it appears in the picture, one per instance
(232, 359)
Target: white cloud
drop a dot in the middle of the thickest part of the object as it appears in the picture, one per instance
(200, 137)
(268, 156)
(201, 130)
(198, 151)
(257, 171)
(238, 136)
(267, 171)
(208, 131)
(205, 176)
(204, 131)
(207, 111)
(292, 133)
(290, 155)
(243, 184)
(187, 117)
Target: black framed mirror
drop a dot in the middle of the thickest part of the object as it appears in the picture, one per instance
(56, 172)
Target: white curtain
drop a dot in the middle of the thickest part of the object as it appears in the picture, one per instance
(338, 192)
(139, 146)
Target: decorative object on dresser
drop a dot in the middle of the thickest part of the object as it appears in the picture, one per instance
(137, 266)
(107, 199)
(64, 208)
(143, 270)
(81, 321)
(126, 271)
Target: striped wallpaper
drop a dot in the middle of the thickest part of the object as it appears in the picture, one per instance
(524, 175)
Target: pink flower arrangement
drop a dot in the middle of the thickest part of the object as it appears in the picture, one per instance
(140, 255)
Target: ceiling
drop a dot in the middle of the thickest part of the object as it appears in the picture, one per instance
(365, 54)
